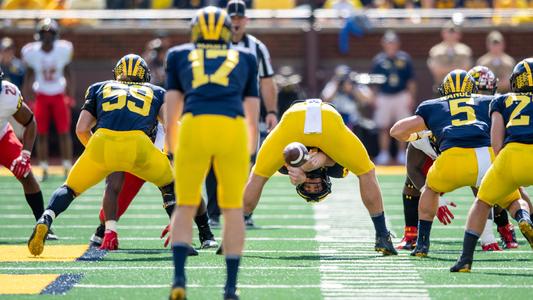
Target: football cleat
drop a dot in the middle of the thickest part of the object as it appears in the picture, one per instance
(420, 251)
(110, 241)
(384, 245)
(249, 222)
(208, 244)
(491, 247)
(96, 238)
(192, 252)
(177, 293)
(38, 236)
(207, 239)
(526, 227)
(462, 265)
(408, 241)
(508, 236)
(220, 250)
(51, 236)
(231, 296)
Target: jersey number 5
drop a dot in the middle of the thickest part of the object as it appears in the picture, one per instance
(465, 110)
(119, 91)
(197, 58)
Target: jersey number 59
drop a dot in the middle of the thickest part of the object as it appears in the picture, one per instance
(120, 92)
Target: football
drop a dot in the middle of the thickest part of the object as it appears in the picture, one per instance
(295, 154)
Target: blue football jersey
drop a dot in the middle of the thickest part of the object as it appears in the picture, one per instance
(124, 106)
(458, 121)
(517, 113)
(213, 78)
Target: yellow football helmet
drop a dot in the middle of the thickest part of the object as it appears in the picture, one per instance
(132, 68)
(211, 25)
(522, 78)
(458, 81)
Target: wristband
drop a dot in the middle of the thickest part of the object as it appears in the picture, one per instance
(272, 112)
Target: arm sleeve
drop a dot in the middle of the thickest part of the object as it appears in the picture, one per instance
(252, 86)
(90, 101)
(496, 105)
(265, 65)
(422, 111)
(171, 70)
(337, 171)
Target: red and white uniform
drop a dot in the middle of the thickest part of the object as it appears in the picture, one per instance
(50, 83)
(10, 102)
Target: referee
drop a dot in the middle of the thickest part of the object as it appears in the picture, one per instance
(237, 11)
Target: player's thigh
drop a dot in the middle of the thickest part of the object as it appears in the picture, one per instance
(270, 156)
(231, 170)
(61, 114)
(85, 173)
(343, 146)
(10, 148)
(42, 114)
(454, 168)
(152, 165)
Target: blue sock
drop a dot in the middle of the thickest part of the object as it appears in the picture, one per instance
(180, 252)
(424, 229)
(521, 214)
(469, 245)
(61, 199)
(379, 224)
(232, 266)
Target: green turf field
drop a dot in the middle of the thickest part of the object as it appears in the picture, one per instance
(299, 251)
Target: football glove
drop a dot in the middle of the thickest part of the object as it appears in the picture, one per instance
(164, 233)
(444, 215)
(21, 166)
(110, 241)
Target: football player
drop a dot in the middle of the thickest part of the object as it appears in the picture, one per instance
(317, 124)
(511, 137)
(459, 121)
(48, 61)
(15, 155)
(120, 190)
(123, 112)
(213, 91)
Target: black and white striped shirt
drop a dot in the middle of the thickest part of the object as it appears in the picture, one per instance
(260, 51)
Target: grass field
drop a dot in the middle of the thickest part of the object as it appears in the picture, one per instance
(298, 251)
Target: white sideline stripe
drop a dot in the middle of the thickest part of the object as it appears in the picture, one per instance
(159, 227)
(349, 219)
(161, 215)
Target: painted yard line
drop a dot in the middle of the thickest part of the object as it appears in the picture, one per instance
(342, 212)
(162, 215)
(158, 227)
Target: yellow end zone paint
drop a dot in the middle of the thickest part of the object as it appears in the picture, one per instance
(19, 253)
(12, 284)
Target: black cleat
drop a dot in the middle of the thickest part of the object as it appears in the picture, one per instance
(220, 251)
(384, 245)
(231, 296)
(420, 251)
(249, 222)
(207, 239)
(462, 265)
(177, 293)
(51, 236)
(38, 236)
(526, 227)
(192, 252)
(97, 237)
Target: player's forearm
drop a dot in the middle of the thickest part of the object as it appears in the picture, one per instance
(28, 138)
(269, 91)
(84, 136)
(405, 129)
(173, 111)
(497, 132)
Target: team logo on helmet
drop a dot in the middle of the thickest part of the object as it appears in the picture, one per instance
(211, 25)
(317, 188)
(485, 79)
(522, 78)
(132, 68)
(46, 25)
(457, 81)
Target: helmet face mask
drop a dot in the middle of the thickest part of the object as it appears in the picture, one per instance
(457, 82)
(485, 79)
(211, 25)
(132, 68)
(522, 78)
(316, 187)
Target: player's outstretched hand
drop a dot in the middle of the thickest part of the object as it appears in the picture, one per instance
(21, 165)
(110, 241)
(444, 214)
(164, 233)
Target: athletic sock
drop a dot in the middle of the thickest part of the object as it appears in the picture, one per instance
(469, 245)
(232, 267)
(61, 200)
(410, 209)
(179, 253)
(379, 224)
(36, 203)
(424, 230)
(522, 214)
(169, 198)
(202, 221)
(501, 219)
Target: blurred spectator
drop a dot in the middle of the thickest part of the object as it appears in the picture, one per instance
(24, 4)
(448, 55)
(345, 95)
(12, 66)
(474, 4)
(438, 3)
(224, 3)
(273, 4)
(126, 4)
(497, 60)
(155, 58)
(48, 75)
(289, 88)
(87, 4)
(395, 97)
(343, 5)
(191, 4)
(161, 4)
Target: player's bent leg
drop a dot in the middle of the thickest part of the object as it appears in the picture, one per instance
(181, 235)
(411, 198)
(206, 236)
(233, 236)
(520, 210)
(427, 208)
